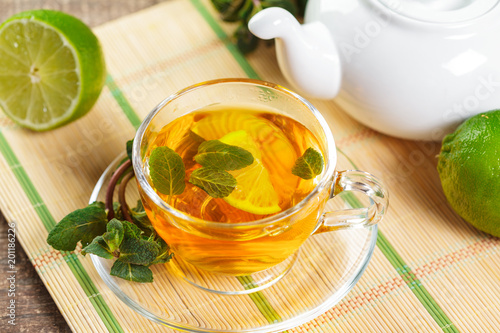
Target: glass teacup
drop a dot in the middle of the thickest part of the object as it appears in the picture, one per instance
(261, 251)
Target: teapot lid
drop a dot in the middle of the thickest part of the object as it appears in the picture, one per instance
(441, 11)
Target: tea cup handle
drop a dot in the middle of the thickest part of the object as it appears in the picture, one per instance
(356, 217)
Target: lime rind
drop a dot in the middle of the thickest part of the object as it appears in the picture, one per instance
(469, 169)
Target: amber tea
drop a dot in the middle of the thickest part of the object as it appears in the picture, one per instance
(268, 184)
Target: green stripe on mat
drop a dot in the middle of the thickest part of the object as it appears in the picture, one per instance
(48, 221)
(123, 102)
(406, 273)
(415, 285)
(260, 300)
(26, 184)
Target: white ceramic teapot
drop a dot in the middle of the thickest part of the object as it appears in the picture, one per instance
(413, 69)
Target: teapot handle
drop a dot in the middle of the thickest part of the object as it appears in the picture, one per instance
(306, 54)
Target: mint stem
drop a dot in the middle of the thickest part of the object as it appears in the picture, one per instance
(121, 196)
(111, 187)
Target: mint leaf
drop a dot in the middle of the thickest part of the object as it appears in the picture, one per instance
(216, 154)
(138, 251)
(99, 248)
(131, 272)
(217, 183)
(309, 165)
(130, 230)
(164, 254)
(81, 225)
(130, 143)
(167, 171)
(140, 218)
(114, 235)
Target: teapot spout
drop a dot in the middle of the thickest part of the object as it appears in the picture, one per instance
(306, 54)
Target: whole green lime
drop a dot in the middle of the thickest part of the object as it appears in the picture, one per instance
(52, 69)
(469, 168)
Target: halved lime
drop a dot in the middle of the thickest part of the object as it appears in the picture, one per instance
(52, 69)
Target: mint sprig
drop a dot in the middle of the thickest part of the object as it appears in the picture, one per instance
(167, 171)
(131, 272)
(164, 254)
(219, 155)
(99, 248)
(131, 230)
(114, 235)
(112, 230)
(217, 158)
(124, 241)
(82, 225)
(309, 165)
(138, 251)
(216, 182)
(141, 219)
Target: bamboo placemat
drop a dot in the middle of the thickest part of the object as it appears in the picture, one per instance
(430, 271)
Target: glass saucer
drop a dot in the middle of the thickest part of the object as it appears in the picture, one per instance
(327, 268)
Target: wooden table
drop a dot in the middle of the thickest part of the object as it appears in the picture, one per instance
(36, 311)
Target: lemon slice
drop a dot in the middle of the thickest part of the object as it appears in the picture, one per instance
(51, 69)
(254, 192)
